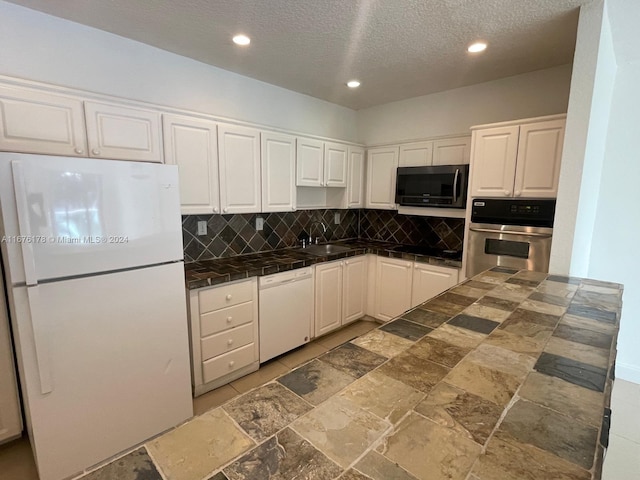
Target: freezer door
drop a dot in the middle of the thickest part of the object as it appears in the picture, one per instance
(116, 357)
(65, 217)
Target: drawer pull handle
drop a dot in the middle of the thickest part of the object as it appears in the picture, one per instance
(229, 297)
(231, 364)
(229, 342)
(229, 319)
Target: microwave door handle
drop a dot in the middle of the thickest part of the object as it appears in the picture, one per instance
(455, 185)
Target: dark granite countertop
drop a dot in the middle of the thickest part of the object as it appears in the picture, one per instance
(221, 270)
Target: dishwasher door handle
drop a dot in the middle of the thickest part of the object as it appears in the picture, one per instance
(502, 232)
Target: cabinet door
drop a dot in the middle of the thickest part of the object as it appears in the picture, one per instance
(382, 165)
(309, 163)
(355, 178)
(278, 159)
(328, 297)
(452, 151)
(335, 165)
(192, 144)
(123, 133)
(539, 156)
(417, 154)
(494, 161)
(239, 157)
(37, 122)
(393, 287)
(431, 280)
(354, 291)
(10, 418)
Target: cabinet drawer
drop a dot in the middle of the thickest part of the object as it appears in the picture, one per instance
(220, 320)
(228, 363)
(225, 296)
(227, 341)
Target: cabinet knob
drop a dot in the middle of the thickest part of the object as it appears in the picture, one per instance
(347, 262)
(518, 193)
(230, 342)
(79, 151)
(229, 319)
(215, 209)
(507, 193)
(229, 297)
(231, 364)
(95, 151)
(408, 264)
(225, 210)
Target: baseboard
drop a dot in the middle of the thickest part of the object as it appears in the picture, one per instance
(628, 372)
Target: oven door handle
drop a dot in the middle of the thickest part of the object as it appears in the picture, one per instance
(502, 232)
(455, 185)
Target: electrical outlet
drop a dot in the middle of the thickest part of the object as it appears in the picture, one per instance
(259, 223)
(336, 218)
(202, 227)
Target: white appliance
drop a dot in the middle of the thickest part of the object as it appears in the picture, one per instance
(92, 252)
(286, 311)
(10, 413)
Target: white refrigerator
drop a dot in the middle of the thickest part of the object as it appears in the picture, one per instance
(92, 252)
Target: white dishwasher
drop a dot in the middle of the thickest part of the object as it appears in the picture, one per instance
(286, 311)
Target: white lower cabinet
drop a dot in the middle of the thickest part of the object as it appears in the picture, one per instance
(431, 280)
(354, 289)
(401, 285)
(393, 287)
(223, 324)
(340, 293)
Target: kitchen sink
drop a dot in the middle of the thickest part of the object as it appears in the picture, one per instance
(322, 250)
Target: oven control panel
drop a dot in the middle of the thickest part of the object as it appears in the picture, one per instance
(525, 212)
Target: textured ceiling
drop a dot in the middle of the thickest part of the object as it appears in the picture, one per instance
(397, 48)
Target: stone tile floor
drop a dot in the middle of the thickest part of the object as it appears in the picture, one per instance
(372, 407)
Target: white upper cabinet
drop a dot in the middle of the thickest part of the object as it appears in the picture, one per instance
(239, 157)
(278, 157)
(192, 144)
(452, 151)
(123, 133)
(382, 164)
(416, 154)
(494, 161)
(309, 163)
(320, 164)
(33, 121)
(355, 178)
(335, 165)
(539, 155)
(518, 160)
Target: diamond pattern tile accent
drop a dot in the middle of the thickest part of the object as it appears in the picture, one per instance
(230, 235)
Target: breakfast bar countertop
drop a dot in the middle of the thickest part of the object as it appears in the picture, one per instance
(506, 376)
(206, 273)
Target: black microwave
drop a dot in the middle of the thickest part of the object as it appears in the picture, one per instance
(437, 186)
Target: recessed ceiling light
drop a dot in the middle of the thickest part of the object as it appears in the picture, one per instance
(241, 40)
(477, 47)
(353, 84)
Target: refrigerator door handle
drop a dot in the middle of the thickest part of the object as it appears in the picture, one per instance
(24, 230)
(40, 340)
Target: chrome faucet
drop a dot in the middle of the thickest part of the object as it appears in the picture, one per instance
(324, 230)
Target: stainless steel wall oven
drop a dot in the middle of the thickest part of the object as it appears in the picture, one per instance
(510, 233)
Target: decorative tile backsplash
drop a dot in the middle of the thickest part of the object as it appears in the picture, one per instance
(439, 232)
(229, 235)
